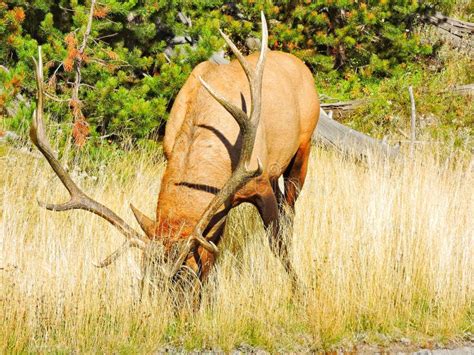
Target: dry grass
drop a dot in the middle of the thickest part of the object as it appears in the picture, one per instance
(385, 252)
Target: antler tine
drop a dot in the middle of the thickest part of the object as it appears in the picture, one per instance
(248, 126)
(254, 76)
(118, 253)
(256, 85)
(114, 256)
(249, 72)
(78, 199)
(190, 245)
(243, 62)
(264, 45)
(239, 115)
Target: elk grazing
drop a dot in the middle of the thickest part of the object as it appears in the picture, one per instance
(232, 132)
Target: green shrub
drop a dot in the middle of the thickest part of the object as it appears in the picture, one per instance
(128, 81)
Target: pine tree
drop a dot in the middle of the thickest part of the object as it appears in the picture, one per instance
(139, 53)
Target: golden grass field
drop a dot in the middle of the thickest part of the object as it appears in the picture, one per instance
(385, 252)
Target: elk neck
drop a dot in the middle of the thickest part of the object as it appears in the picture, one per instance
(198, 167)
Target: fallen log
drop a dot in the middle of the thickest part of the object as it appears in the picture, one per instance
(348, 141)
(462, 89)
(459, 33)
(341, 108)
(452, 25)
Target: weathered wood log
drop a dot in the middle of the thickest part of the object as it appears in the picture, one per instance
(348, 141)
(459, 33)
(454, 26)
(462, 89)
(342, 107)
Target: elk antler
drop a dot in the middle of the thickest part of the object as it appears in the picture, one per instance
(78, 199)
(248, 128)
(146, 223)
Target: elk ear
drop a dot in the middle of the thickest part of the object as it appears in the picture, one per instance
(147, 224)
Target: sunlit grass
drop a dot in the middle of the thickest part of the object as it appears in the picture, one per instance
(384, 252)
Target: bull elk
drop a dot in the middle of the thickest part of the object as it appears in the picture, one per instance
(220, 154)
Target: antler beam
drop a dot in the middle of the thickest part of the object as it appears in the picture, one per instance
(248, 127)
(78, 199)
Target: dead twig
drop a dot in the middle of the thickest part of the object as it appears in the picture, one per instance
(412, 120)
(79, 118)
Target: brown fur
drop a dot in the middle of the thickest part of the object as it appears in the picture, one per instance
(202, 147)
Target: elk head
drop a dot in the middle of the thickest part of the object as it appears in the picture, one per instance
(148, 244)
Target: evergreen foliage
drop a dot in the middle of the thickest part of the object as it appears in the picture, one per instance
(139, 53)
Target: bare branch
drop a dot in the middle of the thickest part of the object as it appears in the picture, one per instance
(77, 112)
(412, 120)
